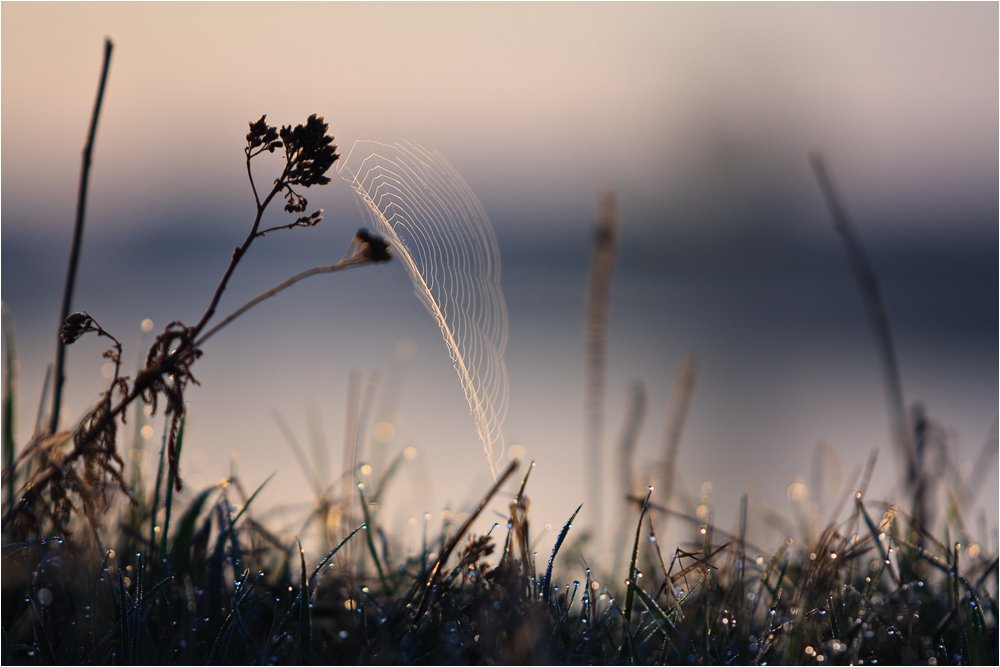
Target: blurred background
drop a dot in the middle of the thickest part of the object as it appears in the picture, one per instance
(700, 117)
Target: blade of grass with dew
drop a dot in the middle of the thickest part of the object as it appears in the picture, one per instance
(632, 570)
(555, 550)
(371, 542)
(311, 587)
(660, 618)
(444, 239)
(634, 418)
(329, 556)
(221, 643)
(305, 609)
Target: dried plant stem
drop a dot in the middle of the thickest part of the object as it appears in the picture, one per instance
(425, 587)
(875, 307)
(677, 411)
(596, 340)
(239, 252)
(74, 255)
(626, 458)
(346, 263)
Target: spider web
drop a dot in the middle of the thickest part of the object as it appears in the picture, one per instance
(444, 239)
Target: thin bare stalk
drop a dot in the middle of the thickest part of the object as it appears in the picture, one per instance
(875, 308)
(345, 263)
(596, 340)
(677, 410)
(626, 458)
(239, 252)
(74, 253)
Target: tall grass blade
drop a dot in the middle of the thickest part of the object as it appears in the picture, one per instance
(626, 460)
(877, 315)
(349, 463)
(741, 560)
(253, 495)
(555, 550)
(305, 609)
(511, 523)
(677, 410)
(371, 541)
(171, 484)
(596, 341)
(633, 571)
(877, 534)
(186, 527)
(329, 556)
(630, 437)
(660, 618)
(43, 400)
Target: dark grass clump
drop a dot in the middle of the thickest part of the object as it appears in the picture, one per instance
(207, 582)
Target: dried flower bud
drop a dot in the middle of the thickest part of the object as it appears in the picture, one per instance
(372, 247)
(294, 202)
(74, 326)
(310, 220)
(262, 134)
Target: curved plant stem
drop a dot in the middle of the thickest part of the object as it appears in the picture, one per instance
(264, 296)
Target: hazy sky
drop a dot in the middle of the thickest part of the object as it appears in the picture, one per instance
(547, 100)
(700, 115)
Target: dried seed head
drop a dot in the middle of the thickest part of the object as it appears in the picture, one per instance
(262, 134)
(74, 326)
(310, 151)
(374, 248)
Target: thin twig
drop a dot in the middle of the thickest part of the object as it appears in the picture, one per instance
(74, 255)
